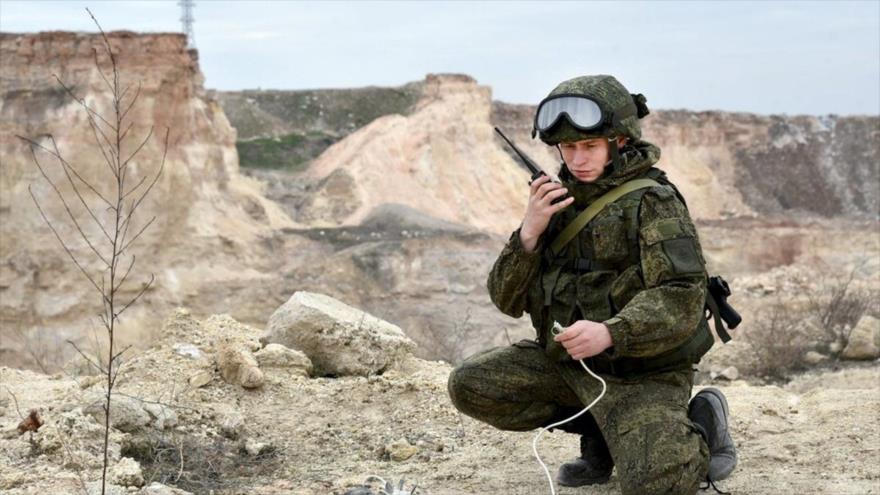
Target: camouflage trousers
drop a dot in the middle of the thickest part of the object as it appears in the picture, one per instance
(643, 420)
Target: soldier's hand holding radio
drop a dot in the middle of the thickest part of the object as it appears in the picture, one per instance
(541, 207)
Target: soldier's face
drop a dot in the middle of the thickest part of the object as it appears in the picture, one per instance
(586, 159)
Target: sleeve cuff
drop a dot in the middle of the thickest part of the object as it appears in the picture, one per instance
(618, 328)
(516, 246)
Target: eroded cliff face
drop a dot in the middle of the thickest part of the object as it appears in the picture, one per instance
(441, 160)
(206, 213)
(738, 164)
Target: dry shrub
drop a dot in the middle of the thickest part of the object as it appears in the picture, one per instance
(779, 341)
(784, 332)
(200, 464)
(838, 305)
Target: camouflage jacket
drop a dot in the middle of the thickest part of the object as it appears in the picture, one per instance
(637, 266)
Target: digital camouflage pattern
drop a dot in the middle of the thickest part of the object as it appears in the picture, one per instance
(611, 96)
(655, 447)
(647, 278)
(637, 267)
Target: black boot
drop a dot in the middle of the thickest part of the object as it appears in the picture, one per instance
(708, 411)
(593, 467)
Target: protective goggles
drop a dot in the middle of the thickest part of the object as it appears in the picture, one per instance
(583, 113)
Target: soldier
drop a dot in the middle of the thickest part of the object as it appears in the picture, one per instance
(629, 289)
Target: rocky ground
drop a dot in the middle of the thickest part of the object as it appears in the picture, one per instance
(182, 424)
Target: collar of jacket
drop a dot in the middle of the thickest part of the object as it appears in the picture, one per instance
(636, 158)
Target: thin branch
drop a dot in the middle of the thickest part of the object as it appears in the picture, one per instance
(126, 223)
(136, 151)
(63, 162)
(98, 66)
(69, 253)
(133, 189)
(125, 132)
(124, 92)
(133, 100)
(124, 277)
(106, 153)
(67, 208)
(158, 174)
(78, 194)
(82, 101)
(15, 400)
(129, 243)
(97, 366)
(138, 296)
(116, 356)
(180, 472)
(153, 183)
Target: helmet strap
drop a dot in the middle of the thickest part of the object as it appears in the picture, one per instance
(615, 164)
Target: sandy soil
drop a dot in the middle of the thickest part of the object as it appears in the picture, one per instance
(818, 434)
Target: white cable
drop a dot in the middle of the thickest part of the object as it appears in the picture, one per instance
(557, 326)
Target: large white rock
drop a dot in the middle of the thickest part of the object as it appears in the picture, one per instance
(339, 339)
(864, 340)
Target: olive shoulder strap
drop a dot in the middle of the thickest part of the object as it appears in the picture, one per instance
(571, 230)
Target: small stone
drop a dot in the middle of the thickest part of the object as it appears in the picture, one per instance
(201, 378)
(187, 350)
(835, 347)
(729, 373)
(232, 426)
(813, 357)
(401, 450)
(127, 472)
(255, 448)
(238, 366)
(279, 356)
(162, 416)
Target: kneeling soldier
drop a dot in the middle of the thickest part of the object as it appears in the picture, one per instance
(629, 288)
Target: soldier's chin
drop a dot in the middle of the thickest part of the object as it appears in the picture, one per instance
(585, 176)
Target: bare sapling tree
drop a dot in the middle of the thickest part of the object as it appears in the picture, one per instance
(103, 213)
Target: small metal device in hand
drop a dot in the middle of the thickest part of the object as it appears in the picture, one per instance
(557, 328)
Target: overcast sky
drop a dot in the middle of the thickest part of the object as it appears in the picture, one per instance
(764, 57)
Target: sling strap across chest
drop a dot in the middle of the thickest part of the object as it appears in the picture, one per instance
(571, 230)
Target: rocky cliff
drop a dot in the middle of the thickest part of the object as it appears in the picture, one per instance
(727, 164)
(206, 213)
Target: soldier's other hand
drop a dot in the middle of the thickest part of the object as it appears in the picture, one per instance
(540, 208)
(585, 338)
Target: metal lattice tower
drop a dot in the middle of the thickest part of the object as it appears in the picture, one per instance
(187, 19)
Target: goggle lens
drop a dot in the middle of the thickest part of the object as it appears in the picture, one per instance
(582, 112)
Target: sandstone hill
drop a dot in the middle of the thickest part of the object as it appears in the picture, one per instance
(727, 164)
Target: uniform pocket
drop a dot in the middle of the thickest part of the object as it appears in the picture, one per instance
(609, 236)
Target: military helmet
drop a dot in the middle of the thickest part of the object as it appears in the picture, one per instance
(588, 107)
